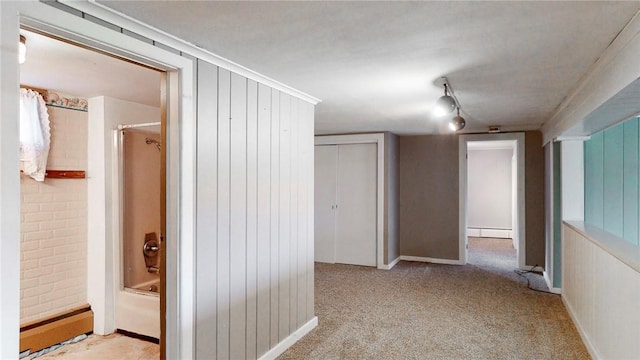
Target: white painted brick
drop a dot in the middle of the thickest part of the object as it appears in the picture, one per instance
(37, 198)
(37, 254)
(52, 260)
(29, 264)
(53, 206)
(37, 217)
(66, 214)
(37, 291)
(52, 296)
(52, 225)
(26, 228)
(28, 246)
(37, 235)
(29, 208)
(66, 232)
(27, 284)
(50, 279)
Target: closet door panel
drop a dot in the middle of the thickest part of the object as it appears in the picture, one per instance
(356, 211)
(326, 177)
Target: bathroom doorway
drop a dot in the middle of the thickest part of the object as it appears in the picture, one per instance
(89, 94)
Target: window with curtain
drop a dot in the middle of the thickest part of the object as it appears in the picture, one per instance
(35, 134)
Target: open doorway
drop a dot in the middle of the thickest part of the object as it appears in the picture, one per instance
(72, 223)
(491, 203)
(492, 194)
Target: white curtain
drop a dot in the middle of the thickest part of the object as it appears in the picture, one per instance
(35, 134)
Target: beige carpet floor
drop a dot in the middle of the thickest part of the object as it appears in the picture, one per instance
(482, 310)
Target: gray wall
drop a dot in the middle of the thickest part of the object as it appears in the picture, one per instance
(534, 198)
(489, 188)
(391, 197)
(428, 169)
(254, 268)
(429, 180)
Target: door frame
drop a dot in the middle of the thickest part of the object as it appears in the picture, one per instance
(378, 139)
(181, 122)
(519, 229)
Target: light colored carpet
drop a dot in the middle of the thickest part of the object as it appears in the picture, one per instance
(427, 311)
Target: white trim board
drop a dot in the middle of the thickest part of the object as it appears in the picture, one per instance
(378, 139)
(431, 260)
(585, 339)
(180, 169)
(290, 340)
(554, 290)
(519, 231)
(122, 20)
(390, 265)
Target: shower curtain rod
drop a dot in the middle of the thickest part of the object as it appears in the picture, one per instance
(131, 126)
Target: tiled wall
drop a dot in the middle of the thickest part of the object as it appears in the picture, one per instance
(612, 170)
(54, 225)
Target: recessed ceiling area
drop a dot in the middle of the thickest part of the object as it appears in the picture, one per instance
(375, 65)
(55, 65)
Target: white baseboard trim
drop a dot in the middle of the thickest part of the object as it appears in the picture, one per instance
(290, 340)
(490, 233)
(390, 265)
(539, 269)
(554, 290)
(585, 338)
(430, 260)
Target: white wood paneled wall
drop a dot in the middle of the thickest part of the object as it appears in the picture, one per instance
(254, 270)
(601, 293)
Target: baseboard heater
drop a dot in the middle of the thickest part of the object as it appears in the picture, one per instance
(41, 334)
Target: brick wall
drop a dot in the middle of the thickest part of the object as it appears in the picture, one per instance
(53, 254)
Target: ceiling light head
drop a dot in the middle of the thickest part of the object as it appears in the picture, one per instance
(457, 123)
(445, 104)
(22, 49)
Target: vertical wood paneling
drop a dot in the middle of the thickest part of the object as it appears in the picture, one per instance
(238, 217)
(293, 249)
(255, 224)
(285, 214)
(206, 217)
(613, 180)
(224, 164)
(630, 176)
(275, 216)
(309, 131)
(594, 180)
(252, 225)
(301, 257)
(264, 219)
(601, 294)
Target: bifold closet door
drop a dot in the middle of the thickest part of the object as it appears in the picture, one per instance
(356, 205)
(326, 177)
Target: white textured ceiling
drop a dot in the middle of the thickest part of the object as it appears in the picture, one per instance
(55, 65)
(375, 65)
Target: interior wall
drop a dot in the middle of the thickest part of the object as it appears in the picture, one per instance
(141, 211)
(428, 196)
(254, 268)
(612, 182)
(391, 201)
(105, 114)
(489, 188)
(534, 198)
(428, 178)
(53, 246)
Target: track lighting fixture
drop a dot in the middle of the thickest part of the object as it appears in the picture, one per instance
(22, 49)
(445, 104)
(458, 122)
